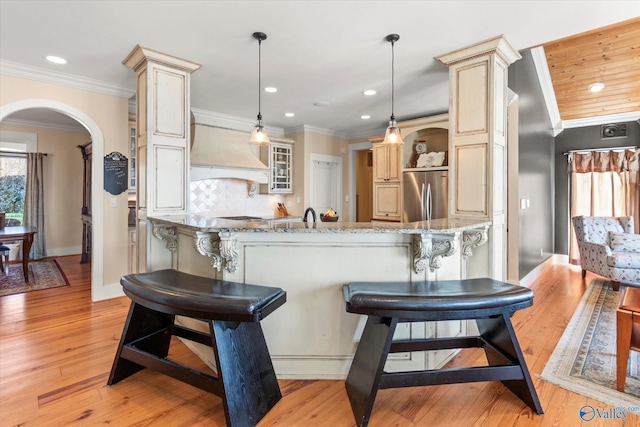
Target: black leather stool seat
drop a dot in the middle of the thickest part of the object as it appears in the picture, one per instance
(437, 300)
(171, 291)
(246, 380)
(491, 303)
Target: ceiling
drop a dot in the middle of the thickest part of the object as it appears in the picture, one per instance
(608, 55)
(316, 51)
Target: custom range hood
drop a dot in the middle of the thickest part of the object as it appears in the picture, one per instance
(224, 153)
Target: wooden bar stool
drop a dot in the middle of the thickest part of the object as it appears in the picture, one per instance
(245, 380)
(628, 332)
(490, 302)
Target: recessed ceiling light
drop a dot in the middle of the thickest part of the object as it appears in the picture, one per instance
(271, 89)
(289, 114)
(56, 59)
(321, 104)
(596, 87)
(369, 92)
(365, 117)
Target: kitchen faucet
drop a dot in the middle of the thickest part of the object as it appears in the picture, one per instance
(313, 213)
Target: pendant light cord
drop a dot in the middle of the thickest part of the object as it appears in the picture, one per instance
(393, 85)
(259, 78)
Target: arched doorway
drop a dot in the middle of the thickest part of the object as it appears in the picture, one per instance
(97, 177)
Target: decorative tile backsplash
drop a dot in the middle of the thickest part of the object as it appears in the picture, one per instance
(228, 197)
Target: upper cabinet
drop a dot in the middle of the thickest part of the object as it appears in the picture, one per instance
(278, 156)
(426, 142)
(386, 162)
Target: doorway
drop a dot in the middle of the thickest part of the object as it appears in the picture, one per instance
(326, 183)
(361, 181)
(98, 290)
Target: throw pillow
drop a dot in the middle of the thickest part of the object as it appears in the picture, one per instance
(624, 242)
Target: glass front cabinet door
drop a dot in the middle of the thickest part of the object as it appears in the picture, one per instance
(278, 157)
(132, 157)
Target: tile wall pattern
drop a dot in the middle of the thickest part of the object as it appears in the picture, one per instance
(228, 197)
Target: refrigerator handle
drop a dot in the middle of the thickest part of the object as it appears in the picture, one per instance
(422, 199)
(428, 202)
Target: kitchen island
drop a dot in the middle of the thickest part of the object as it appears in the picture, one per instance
(311, 336)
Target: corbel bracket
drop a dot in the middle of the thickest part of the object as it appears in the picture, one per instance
(166, 233)
(220, 247)
(432, 248)
(473, 239)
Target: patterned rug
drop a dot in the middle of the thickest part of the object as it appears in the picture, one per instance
(584, 361)
(42, 275)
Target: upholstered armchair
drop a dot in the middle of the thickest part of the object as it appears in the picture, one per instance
(608, 247)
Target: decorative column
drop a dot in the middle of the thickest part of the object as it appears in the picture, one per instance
(162, 145)
(477, 139)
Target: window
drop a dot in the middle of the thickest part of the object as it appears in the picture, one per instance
(13, 173)
(13, 177)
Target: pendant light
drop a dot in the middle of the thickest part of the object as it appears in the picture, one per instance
(392, 135)
(259, 135)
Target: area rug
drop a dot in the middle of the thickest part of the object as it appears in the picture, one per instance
(42, 275)
(584, 361)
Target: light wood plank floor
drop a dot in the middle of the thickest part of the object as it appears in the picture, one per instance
(56, 351)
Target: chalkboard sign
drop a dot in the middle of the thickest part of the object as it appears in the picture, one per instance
(116, 176)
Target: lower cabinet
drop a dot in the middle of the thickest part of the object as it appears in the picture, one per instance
(387, 201)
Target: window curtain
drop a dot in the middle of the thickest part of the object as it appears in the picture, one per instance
(34, 203)
(604, 183)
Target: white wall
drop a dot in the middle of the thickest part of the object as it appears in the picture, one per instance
(106, 117)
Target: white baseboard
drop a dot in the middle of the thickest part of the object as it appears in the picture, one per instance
(16, 251)
(69, 250)
(99, 293)
(534, 274)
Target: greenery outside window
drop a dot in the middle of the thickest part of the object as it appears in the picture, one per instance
(13, 177)
(13, 173)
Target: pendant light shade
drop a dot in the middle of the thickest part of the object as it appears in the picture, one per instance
(392, 135)
(259, 135)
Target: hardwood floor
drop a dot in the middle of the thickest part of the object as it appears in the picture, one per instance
(57, 347)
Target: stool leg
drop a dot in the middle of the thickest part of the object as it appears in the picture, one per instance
(624, 325)
(499, 332)
(250, 386)
(368, 363)
(141, 321)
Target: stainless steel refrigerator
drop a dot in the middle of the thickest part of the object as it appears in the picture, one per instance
(426, 195)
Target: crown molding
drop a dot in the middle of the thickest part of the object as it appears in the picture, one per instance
(498, 45)
(140, 55)
(546, 85)
(316, 130)
(227, 121)
(602, 120)
(63, 79)
(41, 125)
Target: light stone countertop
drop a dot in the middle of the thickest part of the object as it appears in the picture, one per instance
(212, 224)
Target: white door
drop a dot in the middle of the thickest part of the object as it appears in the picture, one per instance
(326, 184)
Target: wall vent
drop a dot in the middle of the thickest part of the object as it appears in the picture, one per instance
(613, 131)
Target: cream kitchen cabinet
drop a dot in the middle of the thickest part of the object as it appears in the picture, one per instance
(386, 163)
(478, 93)
(278, 156)
(387, 201)
(387, 181)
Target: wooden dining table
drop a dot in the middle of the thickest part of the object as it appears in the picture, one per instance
(12, 234)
